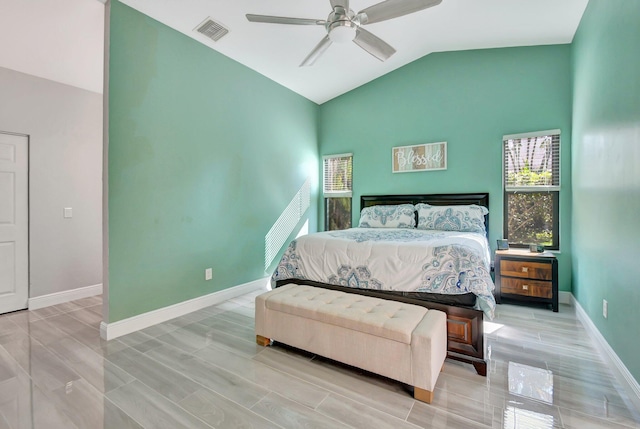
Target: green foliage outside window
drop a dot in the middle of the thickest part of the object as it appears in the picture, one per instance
(338, 174)
(531, 190)
(530, 218)
(527, 177)
(338, 213)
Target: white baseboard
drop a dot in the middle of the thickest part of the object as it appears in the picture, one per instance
(625, 377)
(565, 298)
(64, 296)
(109, 331)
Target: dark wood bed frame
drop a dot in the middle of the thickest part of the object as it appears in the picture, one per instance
(464, 324)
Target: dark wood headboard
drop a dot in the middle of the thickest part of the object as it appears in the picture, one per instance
(481, 199)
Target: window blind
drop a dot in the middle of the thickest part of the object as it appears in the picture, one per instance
(337, 175)
(531, 162)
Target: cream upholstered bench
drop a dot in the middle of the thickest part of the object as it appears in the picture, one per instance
(404, 342)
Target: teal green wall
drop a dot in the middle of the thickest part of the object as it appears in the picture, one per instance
(606, 172)
(469, 99)
(204, 155)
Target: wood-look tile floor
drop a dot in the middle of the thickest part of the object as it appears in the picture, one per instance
(204, 370)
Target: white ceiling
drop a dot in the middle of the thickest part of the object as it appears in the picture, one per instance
(62, 40)
(276, 50)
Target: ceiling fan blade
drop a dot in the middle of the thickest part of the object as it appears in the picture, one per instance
(317, 51)
(392, 9)
(373, 44)
(342, 3)
(284, 20)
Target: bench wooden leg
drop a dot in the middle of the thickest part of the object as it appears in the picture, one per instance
(481, 368)
(422, 395)
(262, 341)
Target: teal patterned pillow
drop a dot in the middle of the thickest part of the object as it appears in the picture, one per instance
(398, 216)
(463, 218)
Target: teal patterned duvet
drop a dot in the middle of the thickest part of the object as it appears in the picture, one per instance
(390, 259)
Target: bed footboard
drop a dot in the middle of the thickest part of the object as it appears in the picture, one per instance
(465, 335)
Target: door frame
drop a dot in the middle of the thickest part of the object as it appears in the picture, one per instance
(28, 190)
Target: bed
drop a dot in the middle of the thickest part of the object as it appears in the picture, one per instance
(438, 265)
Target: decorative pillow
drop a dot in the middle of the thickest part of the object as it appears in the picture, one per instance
(398, 216)
(463, 218)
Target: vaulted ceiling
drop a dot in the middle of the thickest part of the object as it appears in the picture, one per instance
(63, 40)
(276, 50)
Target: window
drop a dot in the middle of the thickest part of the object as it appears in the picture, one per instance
(531, 178)
(337, 176)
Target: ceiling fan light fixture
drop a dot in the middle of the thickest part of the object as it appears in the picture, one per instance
(343, 25)
(342, 32)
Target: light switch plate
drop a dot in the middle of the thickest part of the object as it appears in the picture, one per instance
(68, 212)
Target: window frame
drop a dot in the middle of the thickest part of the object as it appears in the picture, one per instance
(326, 212)
(330, 193)
(553, 190)
(556, 216)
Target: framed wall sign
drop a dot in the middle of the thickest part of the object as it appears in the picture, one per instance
(421, 157)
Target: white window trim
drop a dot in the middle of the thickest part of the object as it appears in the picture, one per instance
(338, 194)
(531, 188)
(538, 188)
(335, 194)
(531, 135)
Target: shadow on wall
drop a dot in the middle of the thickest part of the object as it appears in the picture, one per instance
(286, 223)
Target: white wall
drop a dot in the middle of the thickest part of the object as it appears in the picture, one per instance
(59, 40)
(65, 170)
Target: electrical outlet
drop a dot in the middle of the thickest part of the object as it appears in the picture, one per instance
(208, 274)
(605, 308)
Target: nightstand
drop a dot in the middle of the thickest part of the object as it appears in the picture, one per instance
(527, 277)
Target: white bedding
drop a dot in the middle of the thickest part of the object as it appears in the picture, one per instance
(408, 260)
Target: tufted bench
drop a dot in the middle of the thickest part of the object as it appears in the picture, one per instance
(404, 342)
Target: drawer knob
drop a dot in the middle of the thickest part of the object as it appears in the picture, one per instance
(525, 269)
(525, 287)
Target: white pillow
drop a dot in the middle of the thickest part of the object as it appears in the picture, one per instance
(463, 218)
(396, 216)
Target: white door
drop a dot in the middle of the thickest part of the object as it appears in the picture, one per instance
(14, 227)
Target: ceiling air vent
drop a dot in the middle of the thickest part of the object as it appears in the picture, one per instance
(213, 30)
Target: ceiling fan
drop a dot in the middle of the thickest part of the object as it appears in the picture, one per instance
(343, 25)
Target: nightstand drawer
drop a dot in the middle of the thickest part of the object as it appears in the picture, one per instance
(527, 287)
(527, 277)
(526, 269)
